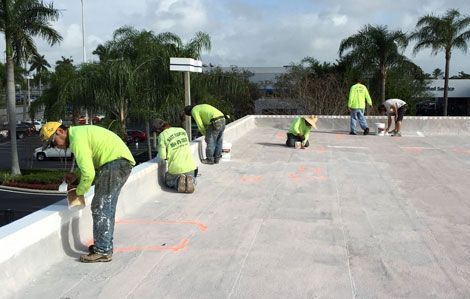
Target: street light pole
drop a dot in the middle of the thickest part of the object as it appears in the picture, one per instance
(83, 35)
(84, 53)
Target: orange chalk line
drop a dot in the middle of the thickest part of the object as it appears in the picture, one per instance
(183, 243)
(251, 179)
(317, 174)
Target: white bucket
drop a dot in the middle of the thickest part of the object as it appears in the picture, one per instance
(226, 151)
(380, 129)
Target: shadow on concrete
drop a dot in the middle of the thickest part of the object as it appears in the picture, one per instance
(70, 236)
(272, 144)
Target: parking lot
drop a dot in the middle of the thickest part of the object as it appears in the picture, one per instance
(15, 205)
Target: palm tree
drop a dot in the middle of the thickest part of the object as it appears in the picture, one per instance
(437, 73)
(23, 20)
(442, 34)
(374, 48)
(39, 64)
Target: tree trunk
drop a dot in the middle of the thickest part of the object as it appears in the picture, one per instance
(383, 75)
(149, 145)
(446, 83)
(15, 165)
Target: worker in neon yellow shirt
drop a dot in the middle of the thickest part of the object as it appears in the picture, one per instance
(211, 123)
(358, 94)
(299, 131)
(103, 157)
(173, 146)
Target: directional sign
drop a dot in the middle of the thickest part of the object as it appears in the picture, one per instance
(185, 65)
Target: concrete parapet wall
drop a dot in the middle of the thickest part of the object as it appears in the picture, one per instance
(411, 125)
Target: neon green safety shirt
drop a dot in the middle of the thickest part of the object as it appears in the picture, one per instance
(298, 127)
(203, 114)
(93, 147)
(358, 94)
(173, 145)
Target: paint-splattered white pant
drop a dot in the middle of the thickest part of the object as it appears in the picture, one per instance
(108, 183)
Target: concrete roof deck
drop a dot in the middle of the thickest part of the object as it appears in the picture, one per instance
(351, 216)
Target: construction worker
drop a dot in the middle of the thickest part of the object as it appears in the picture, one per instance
(211, 123)
(299, 131)
(103, 157)
(397, 108)
(173, 146)
(358, 94)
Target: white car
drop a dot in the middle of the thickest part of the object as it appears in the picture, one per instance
(51, 152)
(37, 125)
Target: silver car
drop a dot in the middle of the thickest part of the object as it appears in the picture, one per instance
(51, 152)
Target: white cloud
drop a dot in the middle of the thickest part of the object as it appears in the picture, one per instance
(252, 33)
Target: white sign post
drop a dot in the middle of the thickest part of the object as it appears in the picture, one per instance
(186, 65)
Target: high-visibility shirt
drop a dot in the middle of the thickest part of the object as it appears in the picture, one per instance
(173, 146)
(298, 127)
(358, 94)
(203, 114)
(93, 147)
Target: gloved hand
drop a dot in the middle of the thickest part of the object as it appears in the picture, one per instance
(70, 178)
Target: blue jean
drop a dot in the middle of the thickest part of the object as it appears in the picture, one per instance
(108, 184)
(215, 139)
(171, 180)
(358, 114)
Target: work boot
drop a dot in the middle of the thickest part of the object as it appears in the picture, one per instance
(366, 131)
(217, 160)
(207, 161)
(352, 133)
(96, 257)
(189, 184)
(182, 183)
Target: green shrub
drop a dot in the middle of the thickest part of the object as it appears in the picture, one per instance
(35, 176)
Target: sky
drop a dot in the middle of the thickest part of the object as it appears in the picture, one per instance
(250, 33)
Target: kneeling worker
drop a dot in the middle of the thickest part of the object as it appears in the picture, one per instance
(173, 146)
(103, 157)
(300, 130)
(397, 108)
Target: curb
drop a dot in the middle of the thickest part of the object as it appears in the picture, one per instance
(34, 191)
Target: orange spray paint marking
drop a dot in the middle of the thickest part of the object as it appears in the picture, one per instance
(461, 150)
(281, 135)
(340, 136)
(251, 179)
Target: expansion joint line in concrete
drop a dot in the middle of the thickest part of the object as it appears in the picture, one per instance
(345, 243)
(237, 279)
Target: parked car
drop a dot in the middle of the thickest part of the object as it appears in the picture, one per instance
(37, 125)
(23, 130)
(3, 134)
(135, 136)
(51, 152)
(31, 126)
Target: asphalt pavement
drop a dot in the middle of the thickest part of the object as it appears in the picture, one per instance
(16, 204)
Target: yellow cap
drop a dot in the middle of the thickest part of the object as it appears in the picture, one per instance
(47, 130)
